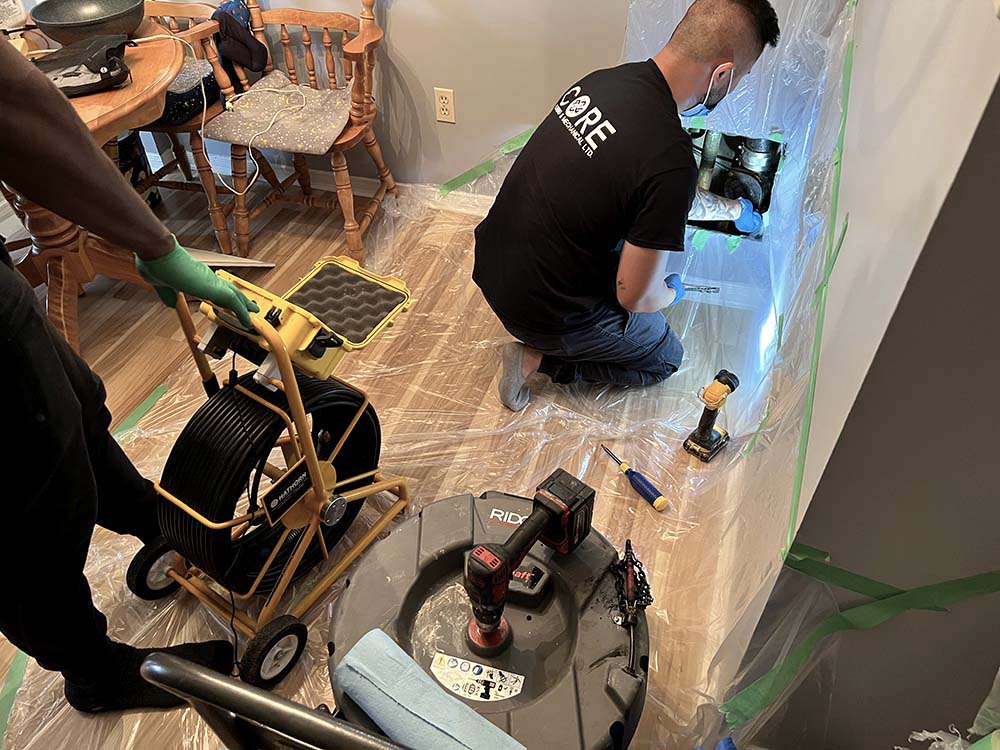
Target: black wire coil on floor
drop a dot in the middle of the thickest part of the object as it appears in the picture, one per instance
(224, 444)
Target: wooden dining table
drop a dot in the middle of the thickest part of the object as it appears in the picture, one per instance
(66, 254)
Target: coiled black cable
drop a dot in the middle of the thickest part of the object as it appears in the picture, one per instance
(228, 439)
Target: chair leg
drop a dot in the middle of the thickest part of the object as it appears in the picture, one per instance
(61, 300)
(302, 173)
(345, 196)
(180, 155)
(375, 151)
(240, 216)
(266, 171)
(207, 178)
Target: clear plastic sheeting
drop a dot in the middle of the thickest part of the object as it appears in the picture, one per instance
(713, 556)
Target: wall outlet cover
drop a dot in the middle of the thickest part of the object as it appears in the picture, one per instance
(444, 105)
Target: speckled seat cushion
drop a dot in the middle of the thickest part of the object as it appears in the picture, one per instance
(311, 130)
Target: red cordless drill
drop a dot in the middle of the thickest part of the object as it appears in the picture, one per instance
(560, 519)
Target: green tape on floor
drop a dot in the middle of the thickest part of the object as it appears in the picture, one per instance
(752, 700)
(733, 243)
(15, 676)
(140, 411)
(781, 330)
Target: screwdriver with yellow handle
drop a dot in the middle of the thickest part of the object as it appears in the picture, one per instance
(639, 483)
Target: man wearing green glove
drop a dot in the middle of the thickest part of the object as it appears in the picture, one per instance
(55, 419)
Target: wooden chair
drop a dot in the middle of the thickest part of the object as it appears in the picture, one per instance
(191, 21)
(360, 38)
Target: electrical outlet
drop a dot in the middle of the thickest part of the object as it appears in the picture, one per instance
(444, 103)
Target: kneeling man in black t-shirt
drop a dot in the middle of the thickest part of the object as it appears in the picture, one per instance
(572, 256)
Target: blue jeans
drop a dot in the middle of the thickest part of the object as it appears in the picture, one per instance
(620, 348)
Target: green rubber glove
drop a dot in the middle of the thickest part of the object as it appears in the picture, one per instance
(179, 272)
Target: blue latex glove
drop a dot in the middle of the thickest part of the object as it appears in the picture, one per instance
(674, 282)
(750, 221)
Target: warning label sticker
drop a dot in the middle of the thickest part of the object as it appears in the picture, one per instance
(475, 682)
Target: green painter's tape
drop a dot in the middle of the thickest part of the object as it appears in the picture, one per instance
(140, 411)
(508, 147)
(517, 142)
(752, 700)
(831, 262)
(15, 676)
(989, 742)
(697, 123)
(733, 243)
(760, 428)
(800, 468)
(699, 239)
(781, 329)
(777, 137)
(466, 177)
(845, 579)
(800, 551)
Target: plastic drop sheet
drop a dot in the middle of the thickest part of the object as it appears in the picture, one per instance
(713, 556)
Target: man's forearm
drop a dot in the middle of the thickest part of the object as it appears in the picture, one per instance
(708, 206)
(48, 155)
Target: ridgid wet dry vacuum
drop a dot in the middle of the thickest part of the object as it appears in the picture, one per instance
(516, 607)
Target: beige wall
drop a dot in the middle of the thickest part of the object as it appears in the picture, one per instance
(924, 71)
(507, 61)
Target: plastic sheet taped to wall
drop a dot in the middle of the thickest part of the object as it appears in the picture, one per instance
(713, 556)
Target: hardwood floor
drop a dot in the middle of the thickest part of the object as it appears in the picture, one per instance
(432, 379)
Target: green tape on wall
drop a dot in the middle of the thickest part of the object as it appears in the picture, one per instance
(699, 239)
(508, 147)
(800, 467)
(753, 700)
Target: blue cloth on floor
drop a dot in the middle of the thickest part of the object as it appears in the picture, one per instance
(408, 705)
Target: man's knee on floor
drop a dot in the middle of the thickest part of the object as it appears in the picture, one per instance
(657, 373)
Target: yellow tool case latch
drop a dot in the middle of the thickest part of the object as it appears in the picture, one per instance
(336, 308)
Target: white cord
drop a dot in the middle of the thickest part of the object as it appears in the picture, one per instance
(231, 106)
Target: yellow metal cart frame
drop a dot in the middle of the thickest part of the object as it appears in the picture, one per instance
(288, 344)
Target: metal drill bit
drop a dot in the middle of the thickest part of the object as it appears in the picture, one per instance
(702, 289)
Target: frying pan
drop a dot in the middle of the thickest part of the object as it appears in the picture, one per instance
(69, 21)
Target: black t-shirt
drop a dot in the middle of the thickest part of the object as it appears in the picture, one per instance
(611, 161)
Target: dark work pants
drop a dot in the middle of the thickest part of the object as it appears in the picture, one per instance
(620, 348)
(63, 472)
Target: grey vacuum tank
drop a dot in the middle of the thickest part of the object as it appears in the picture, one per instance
(562, 682)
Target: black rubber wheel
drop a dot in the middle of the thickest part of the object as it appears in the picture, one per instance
(273, 652)
(146, 576)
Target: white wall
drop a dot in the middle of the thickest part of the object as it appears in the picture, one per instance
(924, 70)
(507, 60)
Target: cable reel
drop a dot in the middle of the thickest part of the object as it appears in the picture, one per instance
(272, 470)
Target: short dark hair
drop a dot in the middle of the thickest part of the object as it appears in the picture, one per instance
(710, 27)
(765, 20)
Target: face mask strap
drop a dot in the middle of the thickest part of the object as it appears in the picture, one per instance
(708, 93)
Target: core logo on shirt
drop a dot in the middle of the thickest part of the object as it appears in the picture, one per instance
(579, 117)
